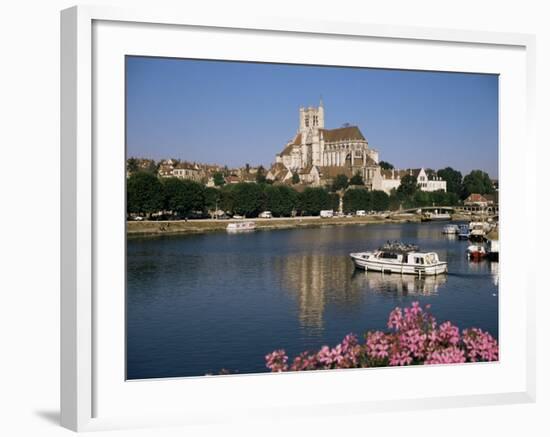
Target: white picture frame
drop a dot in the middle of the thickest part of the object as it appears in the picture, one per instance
(94, 394)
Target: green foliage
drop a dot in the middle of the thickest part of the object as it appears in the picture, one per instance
(380, 201)
(312, 200)
(385, 165)
(248, 199)
(211, 198)
(132, 165)
(183, 196)
(357, 179)
(261, 176)
(357, 199)
(295, 178)
(477, 181)
(218, 179)
(453, 178)
(280, 200)
(144, 193)
(408, 186)
(340, 182)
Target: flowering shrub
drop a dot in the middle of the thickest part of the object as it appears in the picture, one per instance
(414, 337)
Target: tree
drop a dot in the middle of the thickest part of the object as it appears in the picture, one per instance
(280, 200)
(218, 179)
(248, 199)
(452, 177)
(340, 182)
(183, 196)
(260, 175)
(357, 199)
(357, 179)
(408, 186)
(144, 193)
(132, 165)
(312, 200)
(380, 201)
(477, 181)
(211, 199)
(385, 165)
(295, 178)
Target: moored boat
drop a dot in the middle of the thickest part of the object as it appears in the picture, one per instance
(400, 258)
(450, 229)
(241, 226)
(476, 252)
(463, 232)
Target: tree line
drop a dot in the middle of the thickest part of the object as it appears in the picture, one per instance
(147, 194)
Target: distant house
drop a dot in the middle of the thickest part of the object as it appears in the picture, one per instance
(187, 171)
(427, 180)
(476, 199)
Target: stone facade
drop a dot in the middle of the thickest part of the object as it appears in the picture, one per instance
(316, 152)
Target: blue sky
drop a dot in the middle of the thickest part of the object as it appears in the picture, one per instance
(232, 113)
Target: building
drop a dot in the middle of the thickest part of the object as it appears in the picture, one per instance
(188, 171)
(317, 154)
(427, 180)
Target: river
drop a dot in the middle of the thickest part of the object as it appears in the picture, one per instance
(197, 304)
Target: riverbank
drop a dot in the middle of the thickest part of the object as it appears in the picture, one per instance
(178, 227)
(154, 228)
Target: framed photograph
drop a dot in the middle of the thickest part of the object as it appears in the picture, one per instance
(267, 218)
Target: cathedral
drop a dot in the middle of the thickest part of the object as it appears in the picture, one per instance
(318, 155)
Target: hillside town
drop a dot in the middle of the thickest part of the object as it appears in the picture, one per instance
(317, 169)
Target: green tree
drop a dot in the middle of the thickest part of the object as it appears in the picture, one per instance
(380, 200)
(295, 178)
(280, 200)
(477, 181)
(183, 196)
(211, 199)
(385, 165)
(408, 186)
(132, 165)
(312, 200)
(260, 175)
(357, 199)
(219, 180)
(421, 198)
(340, 182)
(144, 193)
(248, 199)
(452, 177)
(357, 179)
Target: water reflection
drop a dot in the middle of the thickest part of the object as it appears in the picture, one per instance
(319, 280)
(316, 280)
(404, 285)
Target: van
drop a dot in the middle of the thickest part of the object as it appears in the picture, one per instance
(266, 214)
(327, 213)
(361, 213)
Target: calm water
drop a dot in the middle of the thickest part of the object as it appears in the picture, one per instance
(199, 304)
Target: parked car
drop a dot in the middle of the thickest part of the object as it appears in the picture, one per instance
(238, 216)
(361, 213)
(327, 213)
(266, 215)
(138, 218)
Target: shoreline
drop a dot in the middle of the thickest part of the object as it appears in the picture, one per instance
(203, 226)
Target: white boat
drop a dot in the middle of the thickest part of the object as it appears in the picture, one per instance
(435, 215)
(478, 230)
(450, 229)
(476, 252)
(400, 258)
(241, 227)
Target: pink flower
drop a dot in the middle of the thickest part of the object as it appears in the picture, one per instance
(415, 338)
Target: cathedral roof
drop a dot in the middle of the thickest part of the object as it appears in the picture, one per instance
(342, 134)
